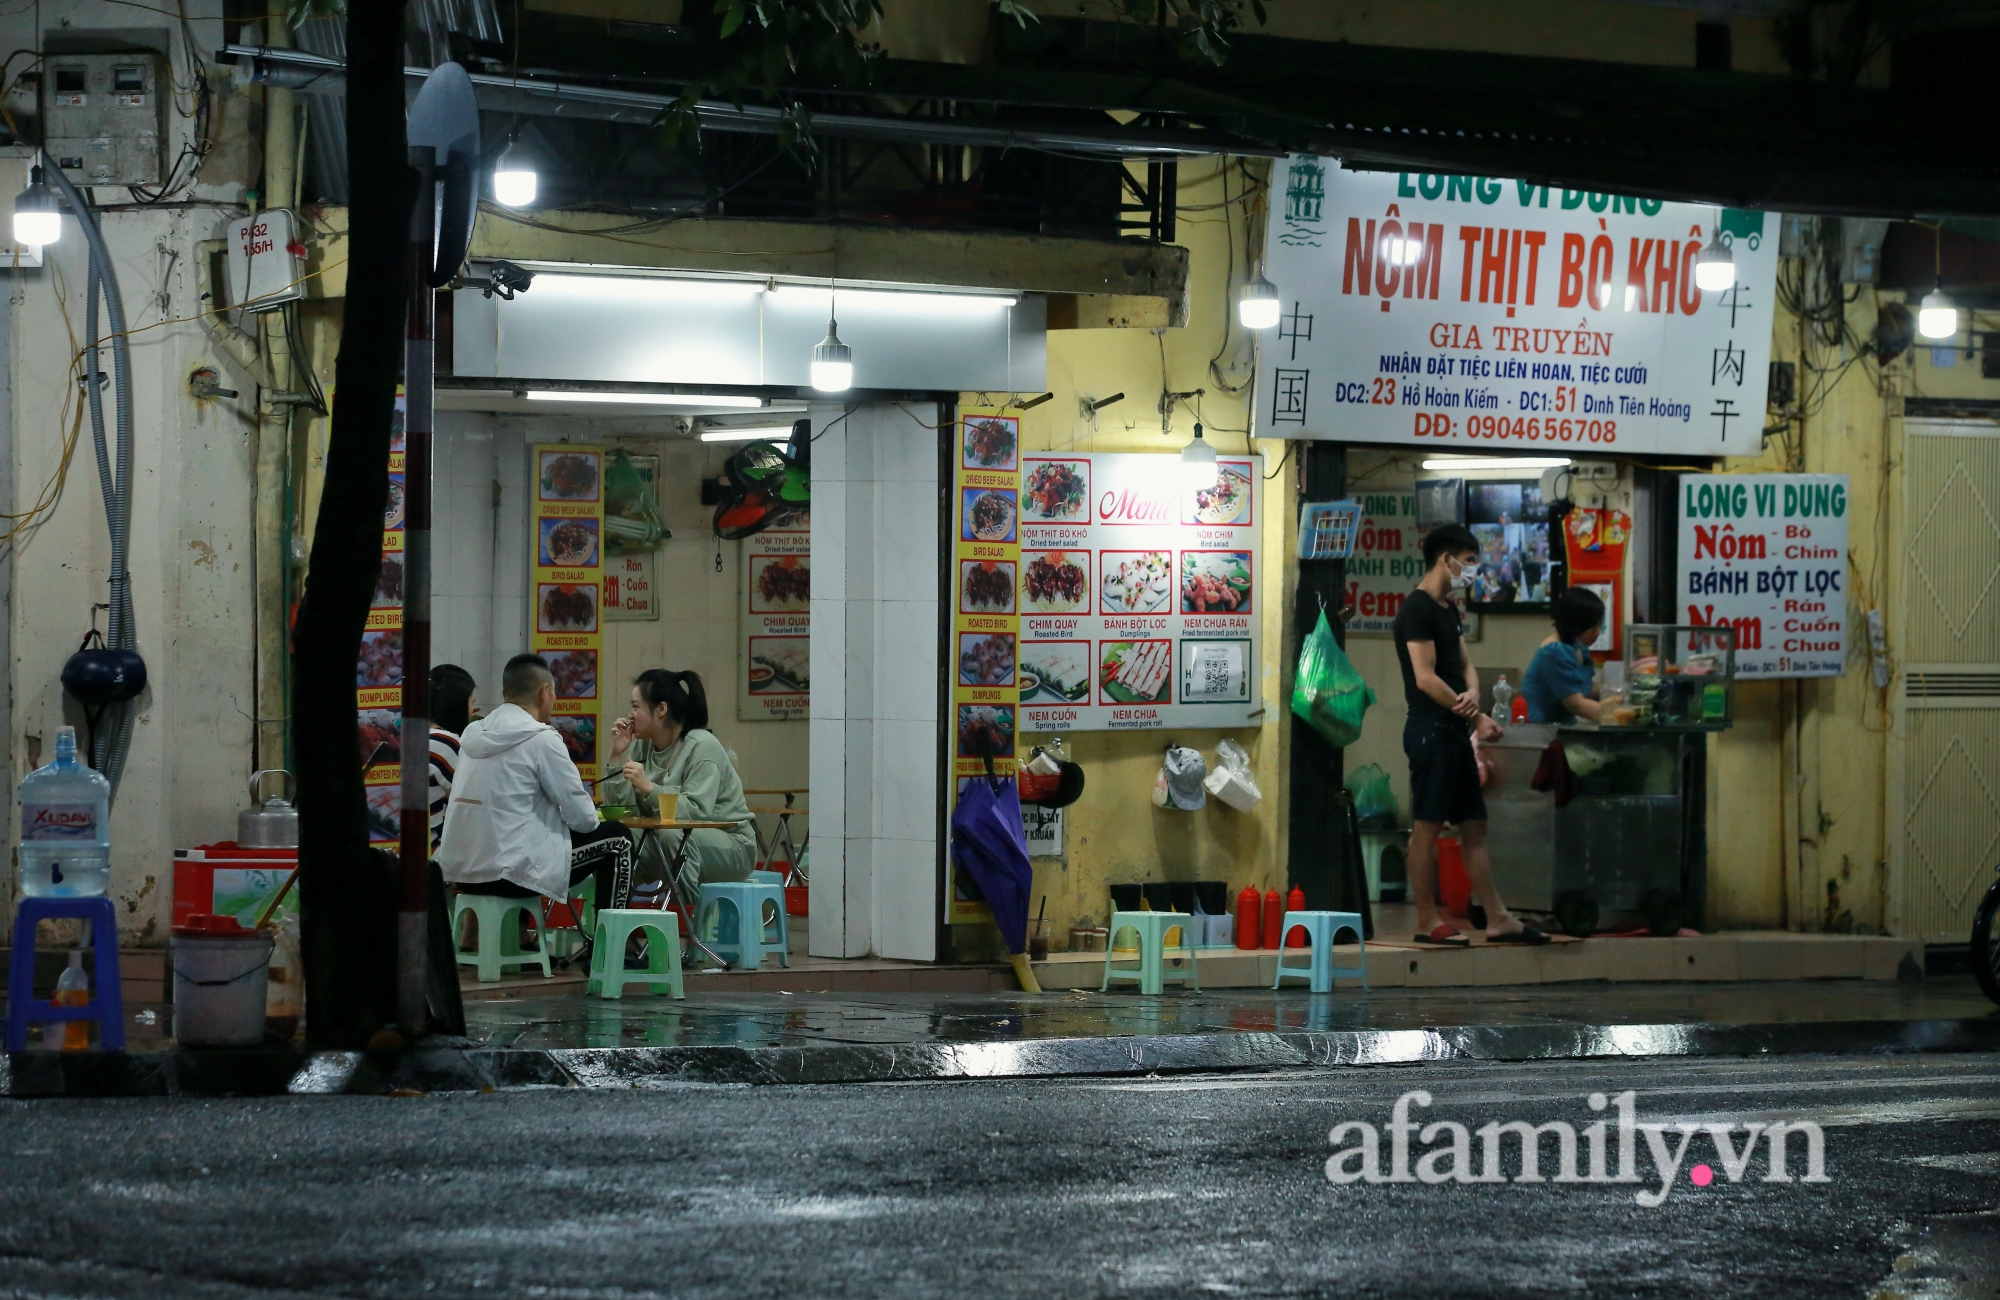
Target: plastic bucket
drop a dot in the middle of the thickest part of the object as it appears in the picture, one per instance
(219, 989)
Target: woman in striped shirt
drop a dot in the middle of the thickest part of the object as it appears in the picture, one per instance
(452, 706)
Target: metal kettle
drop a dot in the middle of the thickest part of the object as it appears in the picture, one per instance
(269, 823)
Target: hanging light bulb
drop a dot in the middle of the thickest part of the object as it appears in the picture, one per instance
(1257, 304)
(1715, 266)
(833, 362)
(1198, 472)
(1937, 316)
(37, 217)
(515, 183)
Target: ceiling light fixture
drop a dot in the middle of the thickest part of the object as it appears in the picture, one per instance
(515, 183)
(1937, 314)
(1257, 305)
(832, 361)
(37, 216)
(645, 399)
(1198, 463)
(748, 433)
(1715, 265)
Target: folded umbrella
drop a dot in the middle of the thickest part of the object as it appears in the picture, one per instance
(989, 842)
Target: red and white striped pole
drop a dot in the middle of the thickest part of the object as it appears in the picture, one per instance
(419, 389)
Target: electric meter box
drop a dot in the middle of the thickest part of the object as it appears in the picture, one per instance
(103, 116)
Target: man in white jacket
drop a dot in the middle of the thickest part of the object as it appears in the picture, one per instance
(521, 821)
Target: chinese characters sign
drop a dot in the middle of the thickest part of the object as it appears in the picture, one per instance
(1475, 314)
(1767, 554)
(567, 585)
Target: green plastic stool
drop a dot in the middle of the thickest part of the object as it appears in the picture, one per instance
(1152, 929)
(1322, 929)
(608, 976)
(499, 940)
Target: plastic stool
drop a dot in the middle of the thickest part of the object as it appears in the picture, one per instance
(1385, 858)
(1321, 928)
(499, 942)
(747, 898)
(608, 976)
(107, 1003)
(1152, 929)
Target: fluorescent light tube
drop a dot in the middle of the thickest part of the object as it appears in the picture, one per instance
(1498, 462)
(746, 433)
(645, 399)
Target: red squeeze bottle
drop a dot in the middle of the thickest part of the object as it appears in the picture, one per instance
(1296, 903)
(1249, 905)
(1519, 713)
(1274, 919)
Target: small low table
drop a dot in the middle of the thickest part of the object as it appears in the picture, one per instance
(676, 856)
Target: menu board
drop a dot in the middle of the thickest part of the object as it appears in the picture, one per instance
(566, 571)
(1388, 560)
(777, 626)
(1767, 555)
(378, 674)
(1136, 592)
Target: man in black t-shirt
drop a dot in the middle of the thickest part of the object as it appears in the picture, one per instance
(1441, 688)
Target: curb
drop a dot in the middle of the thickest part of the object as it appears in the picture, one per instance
(274, 1072)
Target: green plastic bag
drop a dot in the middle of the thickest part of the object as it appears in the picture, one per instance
(632, 521)
(1329, 692)
(1374, 800)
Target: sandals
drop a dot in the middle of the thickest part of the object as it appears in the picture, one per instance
(1527, 934)
(1445, 936)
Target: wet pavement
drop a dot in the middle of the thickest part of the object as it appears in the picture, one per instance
(807, 1019)
(1003, 1188)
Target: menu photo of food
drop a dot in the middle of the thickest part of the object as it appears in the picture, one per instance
(992, 441)
(579, 735)
(780, 584)
(567, 543)
(381, 662)
(1227, 502)
(986, 658)
(575, 672)
(389, 583)
(1135, 672)
(385, 813)
(1135, 582)
(988, 515)
(984, 729)
(569, 476)
(1055, 491)
(393, 514)
(986, 586)
(780, 665)
(381, 736)
(1055, 672)
(566, 607)
(1055, 582)
(1215, 582)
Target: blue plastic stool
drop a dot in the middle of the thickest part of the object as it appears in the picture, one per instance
(747, 898)
(1152, 928)
(107, 1004)
(1322, 929)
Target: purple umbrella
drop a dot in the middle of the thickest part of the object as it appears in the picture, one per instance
(989, 842)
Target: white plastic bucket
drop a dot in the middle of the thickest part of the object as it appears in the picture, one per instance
(219, 989)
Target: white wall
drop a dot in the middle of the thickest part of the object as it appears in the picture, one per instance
(874, 674)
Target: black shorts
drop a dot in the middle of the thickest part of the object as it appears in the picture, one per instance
(1444, 775)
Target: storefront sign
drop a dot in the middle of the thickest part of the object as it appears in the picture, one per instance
(378, 676)
(1767, 554)
(1388, 560)
(1137, 592)
(1480, 314)
(566, 580)
(777, 625)
(1045, 831)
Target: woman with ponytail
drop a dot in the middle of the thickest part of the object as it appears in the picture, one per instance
(665, 744)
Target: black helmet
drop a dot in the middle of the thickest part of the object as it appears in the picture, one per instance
(98, 675)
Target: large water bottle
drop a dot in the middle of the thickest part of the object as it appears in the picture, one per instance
(65, 827)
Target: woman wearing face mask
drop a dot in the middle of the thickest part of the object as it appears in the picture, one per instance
(1557, 684)
(665, 744)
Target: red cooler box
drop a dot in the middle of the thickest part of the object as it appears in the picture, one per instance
(225, 880)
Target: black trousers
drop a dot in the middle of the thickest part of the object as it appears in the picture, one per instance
(603, 855)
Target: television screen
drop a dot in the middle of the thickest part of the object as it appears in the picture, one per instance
(1517, 561)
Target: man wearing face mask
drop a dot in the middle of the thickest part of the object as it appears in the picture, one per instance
(1442, 689)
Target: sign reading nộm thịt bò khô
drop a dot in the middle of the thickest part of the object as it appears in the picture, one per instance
(1767, 555)
(1476, 314)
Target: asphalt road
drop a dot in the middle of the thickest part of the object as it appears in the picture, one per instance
(1170, 1187)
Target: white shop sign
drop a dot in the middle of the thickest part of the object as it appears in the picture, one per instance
(1388, 559)
(1137, 592)
(1767, 554)
(1478, 314)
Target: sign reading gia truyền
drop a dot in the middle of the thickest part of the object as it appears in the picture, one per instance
(1481, 314)
(1767, 554)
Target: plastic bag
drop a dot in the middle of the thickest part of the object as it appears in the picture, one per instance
(633, 524)
(1230, 780)
(1374, 799)
(1329, 693)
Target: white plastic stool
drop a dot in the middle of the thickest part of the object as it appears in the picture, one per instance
(1321, 928)
(747, 898)
(499, 941)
